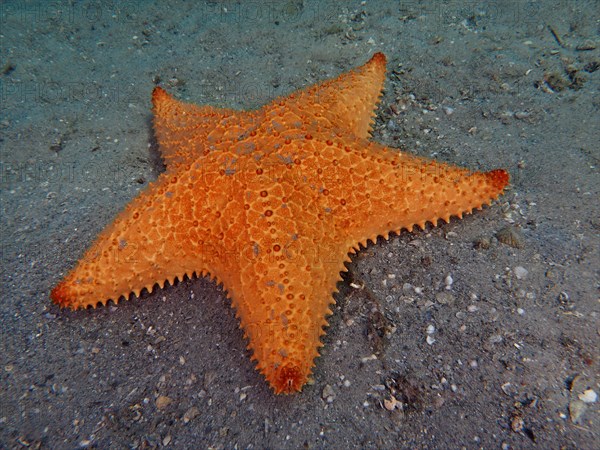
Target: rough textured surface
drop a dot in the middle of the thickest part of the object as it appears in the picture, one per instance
(270, 204)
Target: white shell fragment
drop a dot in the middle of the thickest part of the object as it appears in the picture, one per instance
(588, 396)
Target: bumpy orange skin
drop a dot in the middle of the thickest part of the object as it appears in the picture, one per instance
(270, 203)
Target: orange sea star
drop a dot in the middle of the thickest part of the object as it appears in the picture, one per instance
(270, 203)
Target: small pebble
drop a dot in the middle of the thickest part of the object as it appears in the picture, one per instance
(448, 281)
(521, 272)
(328, 394)
(163, 401)
(190, 414)
(522, 115)
(576, 410)
(482, 242)
(520, 311)
(517, 424)
(509, 389)
(424, 303)
(510, 236)
(430, 340)
(495, 339)
(444, 298)
(390, 404)
(430, 329)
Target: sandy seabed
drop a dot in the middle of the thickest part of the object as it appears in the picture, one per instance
(481, 333)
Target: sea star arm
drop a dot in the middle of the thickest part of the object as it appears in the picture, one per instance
(376, 190)
(286, 283)
(340, 106)
(185, 131)
(162, 235)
